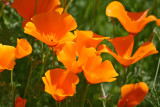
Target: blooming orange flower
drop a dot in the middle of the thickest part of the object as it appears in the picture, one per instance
(124, 47)
(131, 21)
(60, 83)
(132, 94)
(20, 102)
(8, 54)
(52, 28)
(26, 8)
(96, 72)
(90, 61)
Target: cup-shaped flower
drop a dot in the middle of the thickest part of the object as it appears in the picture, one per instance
(60, 83)
(23, 48)
(20, 102)
(8, 54)
(96, 71)
(52, 28)
(133, 94)
(124, 47)
(7, 57)
(26, 8)
(133, 22)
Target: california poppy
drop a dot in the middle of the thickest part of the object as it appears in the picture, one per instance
(8, 54)
(20, 102)
(52, 28)
(89, 61)
(26, 8)
(133, 94)
(60, 83)
(124, 47)
(133, 22)
(97, 71)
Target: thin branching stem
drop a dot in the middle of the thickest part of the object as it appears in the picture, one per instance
(1, 11)
(66, 8)
(13, 98)
(103, 95)
(84, 96)
(29, 78)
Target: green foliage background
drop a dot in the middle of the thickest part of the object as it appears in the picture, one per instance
(89, 15)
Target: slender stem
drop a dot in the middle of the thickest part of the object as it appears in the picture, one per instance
(103, 95)
(113, 23)
(13, 99)
(65, 1)
(125, 76)
(1, 11)
(35, 7)
(53, 54)
(66, 8)
(156, 74)
(29, 78)
(56, 104)
(84, 96)
(93, 14)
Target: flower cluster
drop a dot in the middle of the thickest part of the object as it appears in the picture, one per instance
(78, 50)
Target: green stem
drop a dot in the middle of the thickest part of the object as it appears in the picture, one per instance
(29, 78)
(56, 104)
(156, 74)
(84, 96)
(113, 23)
(1, 11)
(53, 54)
(35, 7)
(13, 99)
(125, 76)
(93, 14)
(66, 8)
(103, 95)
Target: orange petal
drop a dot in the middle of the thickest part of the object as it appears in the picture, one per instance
(144, 50)
(88, 39)
(23, 48)
(26, 8)
(133, 94)
(68, 57)
(123, 45)
(131, 21)
(60, 83)
(20, 102)
(7, 57)
(51, 27)
(96, 72)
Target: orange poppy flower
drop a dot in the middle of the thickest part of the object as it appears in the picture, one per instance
(131, 21)
(20, 102)
(68, 56)
(26, 8)
(87, 39)
(23, 48)
(8, 54)
(97, 71)
(132, 94)
(124, 47)
(60, 83)
(52, 28)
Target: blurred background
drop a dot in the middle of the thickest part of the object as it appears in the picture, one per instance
(89, 15)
